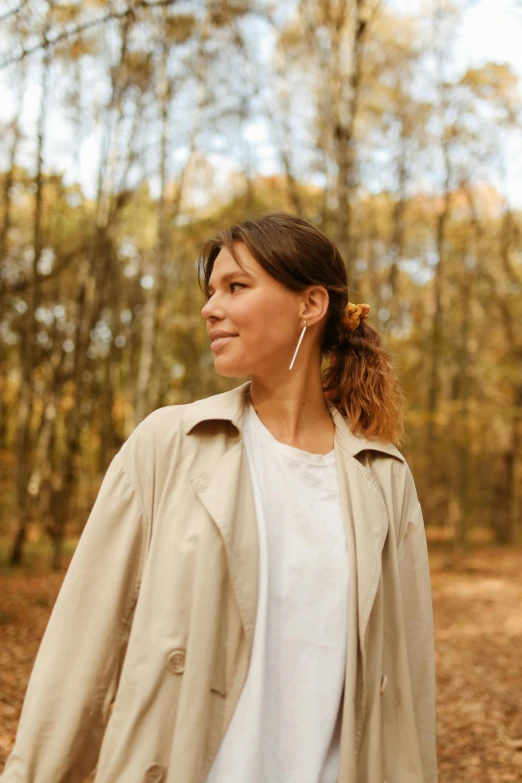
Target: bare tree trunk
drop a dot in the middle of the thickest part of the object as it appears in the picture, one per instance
(283, 136)
(147, 385)
(437, 337)
(464, 446)
(344, 138)
(506, 490)
(506, 511)
(506, 533)
(107, 429)
(506, 522)
(152, 294)
(4, 406)
(89, 299)
(397, 238)
(9, 176)
(26, 399)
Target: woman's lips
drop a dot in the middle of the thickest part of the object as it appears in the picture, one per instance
(219, 342)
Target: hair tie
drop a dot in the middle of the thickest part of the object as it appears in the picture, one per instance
(354, 314)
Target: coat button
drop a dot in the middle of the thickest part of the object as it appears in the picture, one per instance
(384, 682)
(176, 661)
(154, 774)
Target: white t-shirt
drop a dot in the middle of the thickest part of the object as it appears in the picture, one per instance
(286, 726)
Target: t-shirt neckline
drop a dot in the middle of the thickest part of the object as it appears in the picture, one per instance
(291, 452)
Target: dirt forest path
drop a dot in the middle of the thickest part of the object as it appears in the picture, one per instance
(477, 601)
(478, 614)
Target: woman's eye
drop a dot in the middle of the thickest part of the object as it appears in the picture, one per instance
(211, 293)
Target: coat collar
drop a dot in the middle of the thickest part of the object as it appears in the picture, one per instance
(229, 406)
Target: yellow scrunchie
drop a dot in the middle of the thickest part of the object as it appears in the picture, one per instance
(355, 313)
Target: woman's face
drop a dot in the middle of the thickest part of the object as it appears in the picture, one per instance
(258, 316)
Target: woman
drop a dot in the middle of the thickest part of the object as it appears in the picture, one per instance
(251, 592)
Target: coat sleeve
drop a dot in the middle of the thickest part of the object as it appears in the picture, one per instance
(418, 621)
(76, 672)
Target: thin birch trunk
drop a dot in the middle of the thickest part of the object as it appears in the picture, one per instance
(26, 396)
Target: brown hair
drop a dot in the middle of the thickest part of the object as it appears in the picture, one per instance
(360, 380)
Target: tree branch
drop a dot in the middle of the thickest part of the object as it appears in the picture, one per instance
(81, 28)
(13, 11)
(24, 283)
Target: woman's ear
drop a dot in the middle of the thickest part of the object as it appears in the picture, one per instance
(316, 304)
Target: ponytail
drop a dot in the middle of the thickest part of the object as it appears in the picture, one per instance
(362, 383)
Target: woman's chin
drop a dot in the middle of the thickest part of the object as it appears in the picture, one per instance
(229, 369)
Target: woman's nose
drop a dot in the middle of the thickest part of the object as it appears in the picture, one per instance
(210, 309)
(205, 310)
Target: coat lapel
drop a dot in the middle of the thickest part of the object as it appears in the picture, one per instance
(226, 493)
(365, 513)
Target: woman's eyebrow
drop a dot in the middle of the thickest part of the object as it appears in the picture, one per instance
(229, 275)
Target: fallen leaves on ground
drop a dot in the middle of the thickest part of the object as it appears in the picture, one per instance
(477, 600)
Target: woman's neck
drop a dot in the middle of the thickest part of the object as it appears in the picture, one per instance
(296, 414)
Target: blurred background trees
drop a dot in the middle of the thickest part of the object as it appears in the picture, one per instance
(134, 129)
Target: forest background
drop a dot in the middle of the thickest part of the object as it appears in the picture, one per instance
(139, 128)
(133, 129)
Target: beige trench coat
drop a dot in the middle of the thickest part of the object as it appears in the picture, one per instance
(157, 611)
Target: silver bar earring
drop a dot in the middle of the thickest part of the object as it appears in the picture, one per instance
(298, 344)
